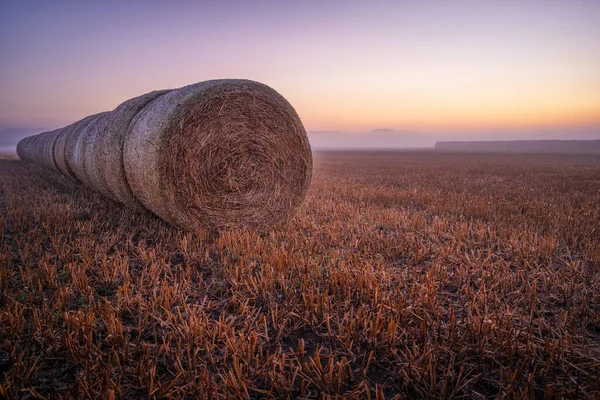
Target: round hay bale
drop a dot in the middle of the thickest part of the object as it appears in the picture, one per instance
(47, 145)
(60, 147)
(65, 143)
(21, 152)
(108, 150)
(42, 148)
(94, 131)
(48, 149)
(29, 153)
(35, 149)
(219, 154)
(43, 137)
(77, 161)
(27, 148)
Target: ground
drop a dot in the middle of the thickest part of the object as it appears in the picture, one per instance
(408, 274)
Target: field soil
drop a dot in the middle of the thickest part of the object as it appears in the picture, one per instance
(405, 274)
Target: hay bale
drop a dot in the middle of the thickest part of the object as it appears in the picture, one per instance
(22, 148)
(29, 148)
(30, 142)
(60, 154)
(77, 160)
(65, 143)
(95, 130)
(48, 149)
(26, 146)
(35, 149)
(219, 154)
(42, 149)
(110, 177)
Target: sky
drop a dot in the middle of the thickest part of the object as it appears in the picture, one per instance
(359, 73)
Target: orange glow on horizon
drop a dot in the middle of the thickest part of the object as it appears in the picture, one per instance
(355, 118)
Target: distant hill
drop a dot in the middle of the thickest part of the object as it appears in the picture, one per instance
(523, 146)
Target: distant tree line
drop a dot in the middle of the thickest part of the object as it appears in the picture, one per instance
(523, 146)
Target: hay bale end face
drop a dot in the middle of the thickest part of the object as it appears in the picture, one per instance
(224, 153)
(220, 154)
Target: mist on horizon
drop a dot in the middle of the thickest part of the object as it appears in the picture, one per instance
(407, 139)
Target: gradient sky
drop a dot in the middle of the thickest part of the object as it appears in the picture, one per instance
(421, 70)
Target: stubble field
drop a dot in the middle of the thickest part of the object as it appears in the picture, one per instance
(408, 274)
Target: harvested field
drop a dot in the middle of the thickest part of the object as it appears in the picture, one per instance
(408, 274)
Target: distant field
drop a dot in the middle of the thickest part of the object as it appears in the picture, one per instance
(524, 146)
(8, 150)
(418, 274)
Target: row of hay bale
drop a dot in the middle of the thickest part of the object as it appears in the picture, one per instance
(38, 148)
(218, 154)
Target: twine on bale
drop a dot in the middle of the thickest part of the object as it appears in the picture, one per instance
(221, 154)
